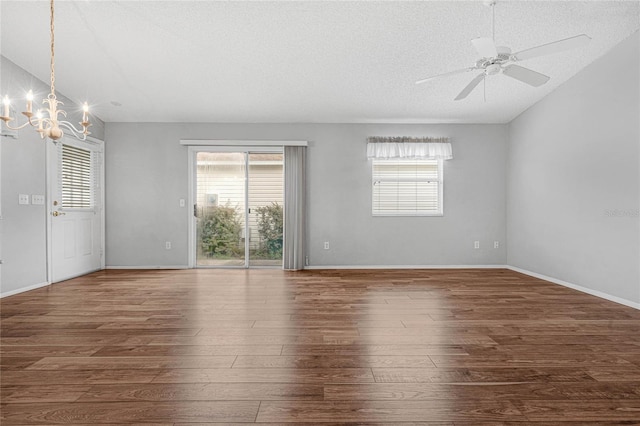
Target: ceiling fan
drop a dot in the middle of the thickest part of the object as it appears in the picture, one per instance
(499, 59)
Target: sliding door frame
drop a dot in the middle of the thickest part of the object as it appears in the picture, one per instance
(193, 152)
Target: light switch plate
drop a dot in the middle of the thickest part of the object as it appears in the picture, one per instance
(23, 198)
(37, 199)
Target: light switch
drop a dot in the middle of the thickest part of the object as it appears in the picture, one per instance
(23, 199)
(182, 202)
(37, 199)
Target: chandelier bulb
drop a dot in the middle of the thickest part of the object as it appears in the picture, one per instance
(40, 128)
(29, 110)
(7, 104)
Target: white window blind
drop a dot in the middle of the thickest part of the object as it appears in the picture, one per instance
(76, 178)
(407, 187)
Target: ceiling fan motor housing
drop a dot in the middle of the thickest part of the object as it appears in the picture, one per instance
(493, 69)
(493, 65)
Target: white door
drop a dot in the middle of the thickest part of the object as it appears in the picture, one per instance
(75, 208)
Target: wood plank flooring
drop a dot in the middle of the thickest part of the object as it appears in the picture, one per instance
(437, 347)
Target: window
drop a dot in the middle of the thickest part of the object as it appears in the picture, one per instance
(76, 178)
(407, 187)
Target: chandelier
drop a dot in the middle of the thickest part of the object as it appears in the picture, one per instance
(47, 121)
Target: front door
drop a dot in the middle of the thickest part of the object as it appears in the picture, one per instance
(75, 208)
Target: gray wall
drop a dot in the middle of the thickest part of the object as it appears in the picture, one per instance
(23, 172)
(573, 181)
(146, 175)
(570, 202)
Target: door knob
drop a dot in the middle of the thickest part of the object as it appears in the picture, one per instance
(57, 213)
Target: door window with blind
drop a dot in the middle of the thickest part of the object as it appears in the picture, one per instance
(407, 187)
(77, 177)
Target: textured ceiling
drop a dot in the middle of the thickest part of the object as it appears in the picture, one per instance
(311, 61)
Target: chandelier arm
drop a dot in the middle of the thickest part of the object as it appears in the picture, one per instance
(78, 133)
(22, 126)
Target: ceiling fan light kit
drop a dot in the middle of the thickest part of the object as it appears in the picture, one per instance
(499, 59)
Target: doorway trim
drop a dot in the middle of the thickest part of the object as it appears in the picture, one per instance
(220, 145)
(240, 143)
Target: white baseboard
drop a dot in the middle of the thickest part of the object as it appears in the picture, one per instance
(148, 267)
(407, 267)
(23, 289)
(592, 292)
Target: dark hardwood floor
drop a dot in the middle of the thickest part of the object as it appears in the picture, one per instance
(441, 347)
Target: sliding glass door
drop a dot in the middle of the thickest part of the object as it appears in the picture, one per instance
(266, 209)
(239, 209)
(220, 208)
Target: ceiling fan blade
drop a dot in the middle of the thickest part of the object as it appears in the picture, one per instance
(485, 46)
(460, 71)
(465, 92)
(554, 47)
(525, 75)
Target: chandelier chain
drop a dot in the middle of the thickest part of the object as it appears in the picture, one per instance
(53, 70)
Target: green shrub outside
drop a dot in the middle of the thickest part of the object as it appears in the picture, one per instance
(270, 226)
(219, 229)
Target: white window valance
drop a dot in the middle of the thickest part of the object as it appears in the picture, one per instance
(409, 148)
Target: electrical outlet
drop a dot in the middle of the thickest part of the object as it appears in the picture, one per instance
(306, 261)
(23, 199)
(167, 245)
(496, 244)
(326, 245)
(476, 244)
(37, 199)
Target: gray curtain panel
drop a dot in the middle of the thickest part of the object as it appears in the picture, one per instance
(294, 206)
